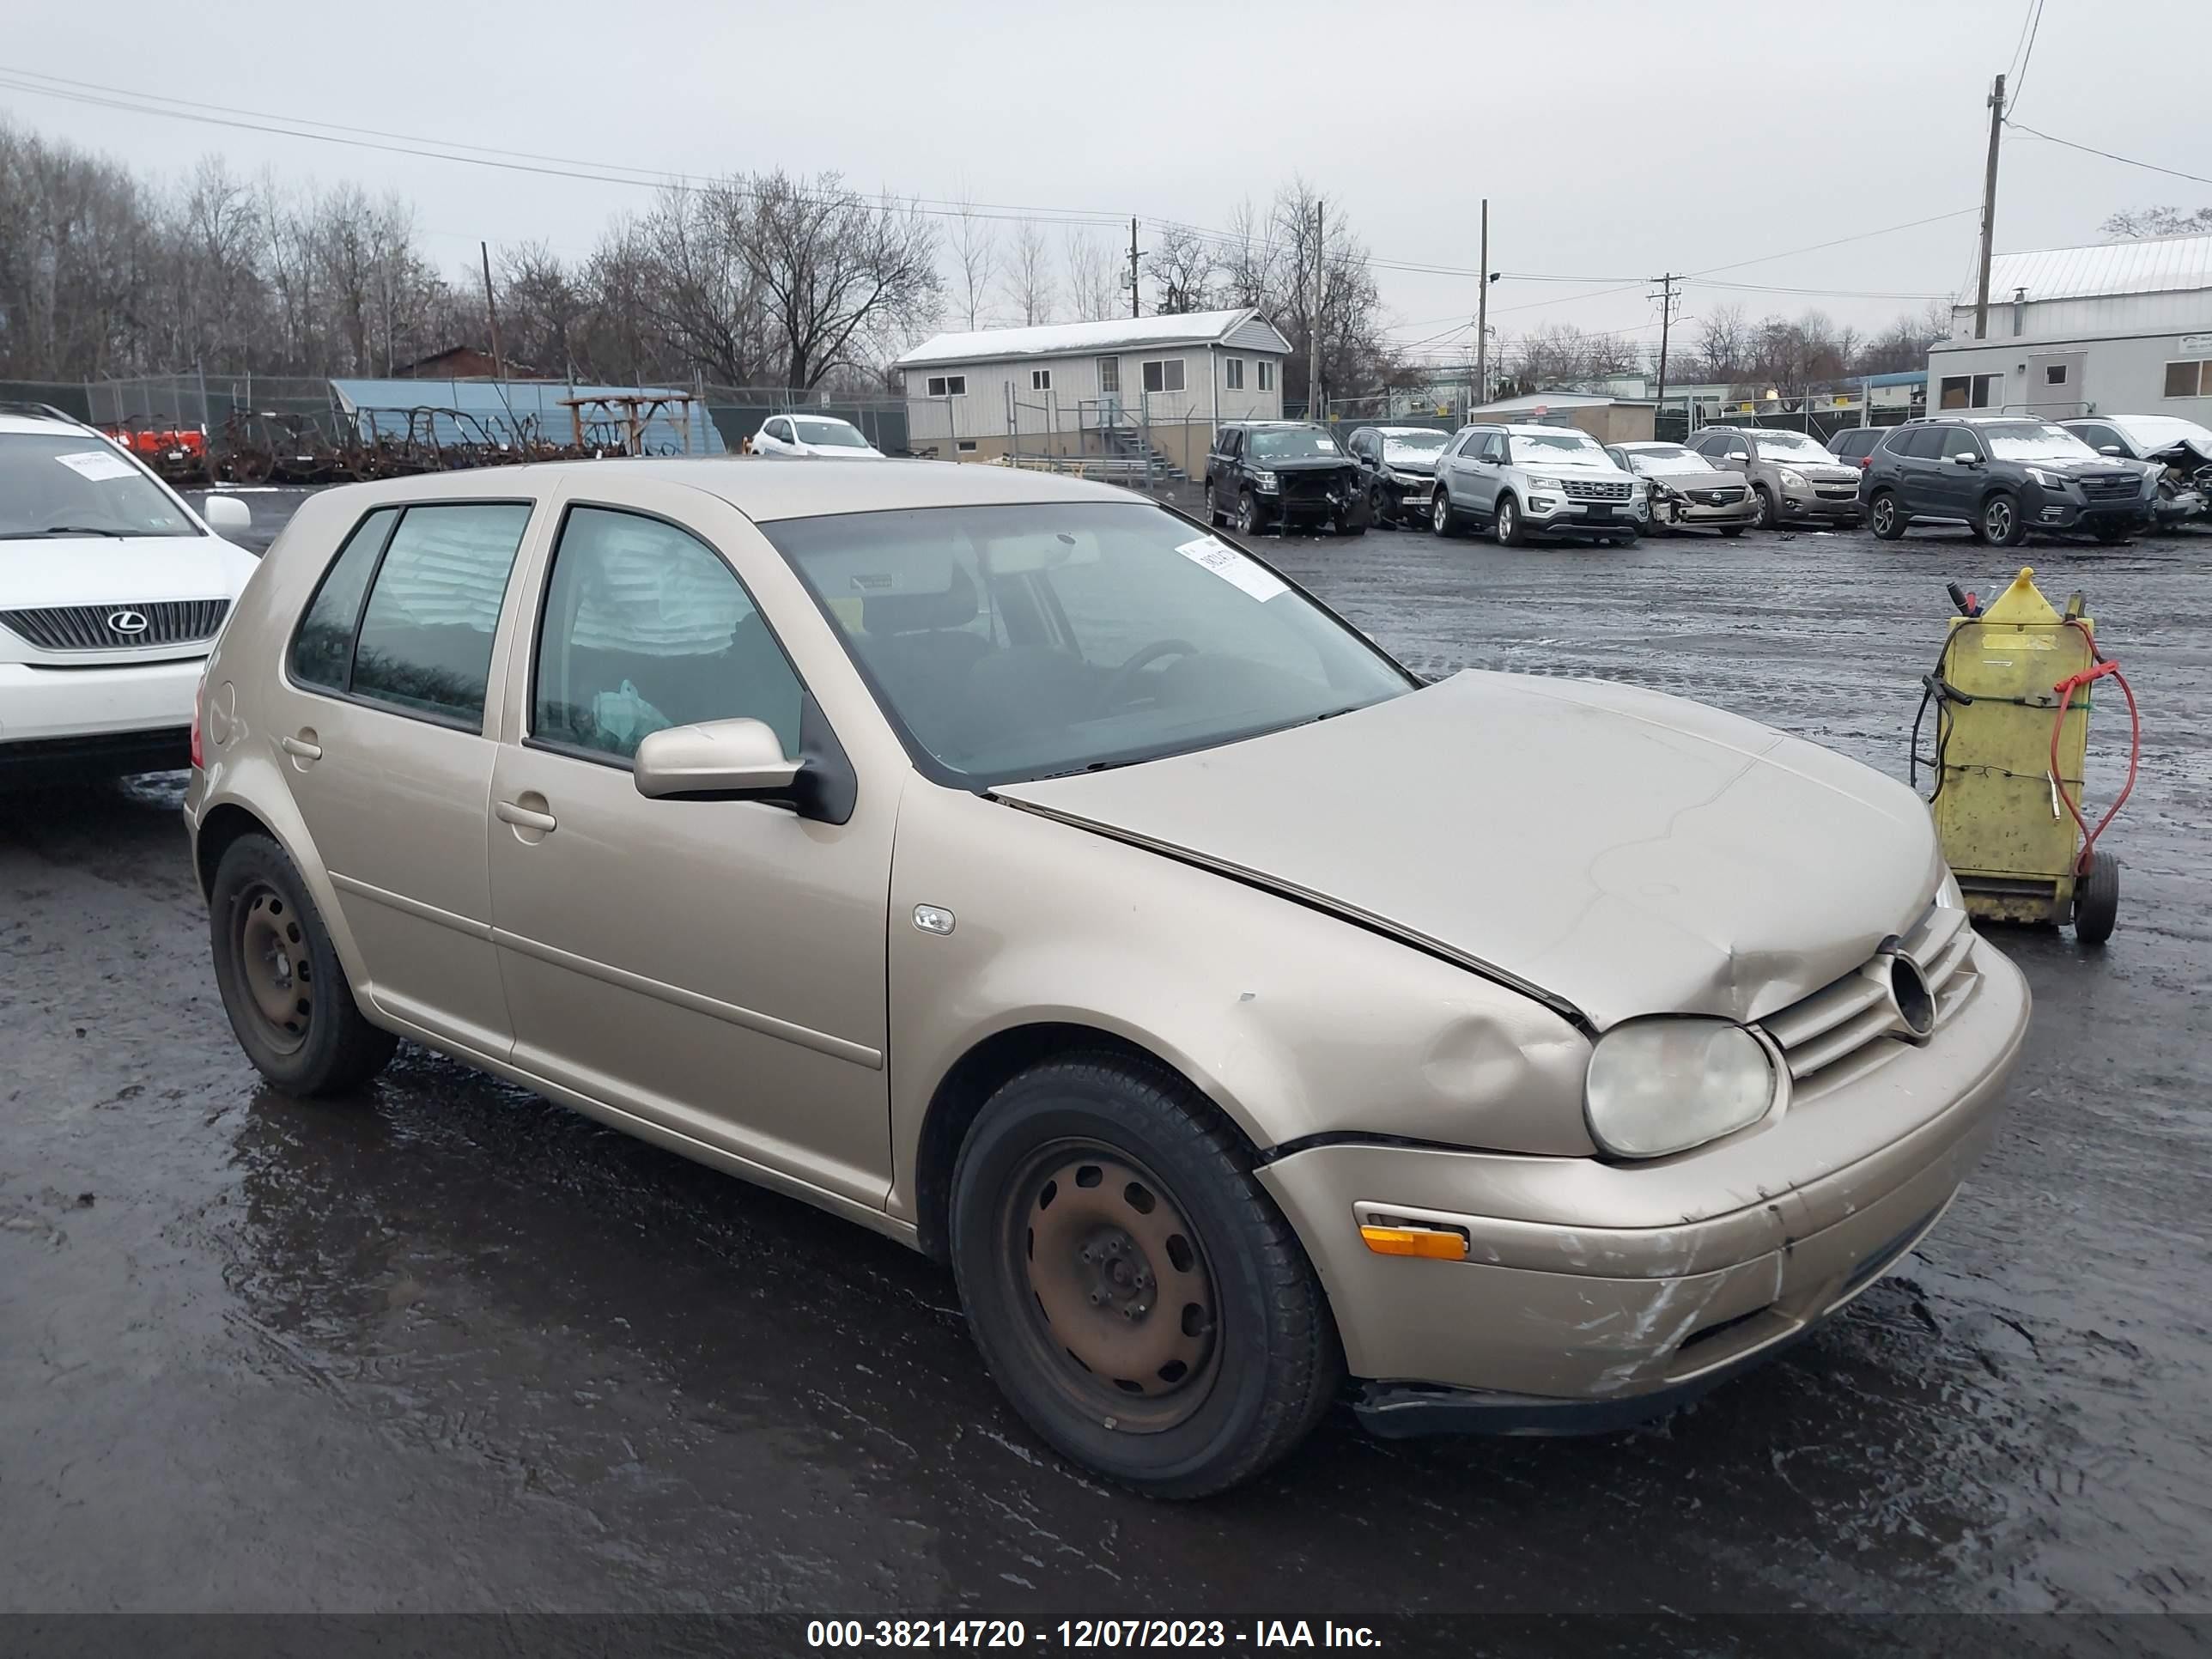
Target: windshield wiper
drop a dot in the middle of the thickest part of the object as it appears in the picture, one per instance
(68, 530)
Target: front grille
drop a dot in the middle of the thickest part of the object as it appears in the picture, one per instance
(1716, 497)
(2105, 487)
(1848, 1027)
(1311, 486)
(1839, 492)
(1596, 489)
(93, 626)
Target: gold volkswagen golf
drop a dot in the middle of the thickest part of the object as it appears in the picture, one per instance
(1011, 865)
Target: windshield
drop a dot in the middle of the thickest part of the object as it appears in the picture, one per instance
(1789, 446)
(1666, 458)
(2164, 431)
(1016, 642)
(2034, 441)
(1414, 446)
(1563, 446)
(837, 433)
(1292, 444)
(60, 484)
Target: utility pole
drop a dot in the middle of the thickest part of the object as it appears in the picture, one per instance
(1988, 213)
(1482, 317)
(1666, 299)
(1314, 409)
(498, 365)
(1133, 267)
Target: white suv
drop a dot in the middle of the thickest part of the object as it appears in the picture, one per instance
(112, 592)
(1523, 480)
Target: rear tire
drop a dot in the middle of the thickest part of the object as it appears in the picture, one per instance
(1135, 1291)
(282, 985)
(2097, 900)
(1883, 517)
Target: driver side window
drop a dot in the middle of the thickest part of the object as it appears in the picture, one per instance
(1959, 441)
(644, 628)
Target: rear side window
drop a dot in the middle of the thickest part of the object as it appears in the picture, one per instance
(436, 576)
(646, 627)
(1922, 443)
(322, 652)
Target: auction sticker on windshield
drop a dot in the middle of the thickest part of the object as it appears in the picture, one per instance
(1233, 568)
(96, 463)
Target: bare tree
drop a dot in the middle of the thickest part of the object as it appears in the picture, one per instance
(1723, 343)
(2133, 224)
(838, 275)
(1184, 269)
(1028, 280)
(974, 263)
(1094, 279)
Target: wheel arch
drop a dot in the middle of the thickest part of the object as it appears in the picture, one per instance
(248, 799)
(988, 1065)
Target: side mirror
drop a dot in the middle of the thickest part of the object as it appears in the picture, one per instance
(717, 760)
(2109, 449)
(227, 512)
(1963, 460)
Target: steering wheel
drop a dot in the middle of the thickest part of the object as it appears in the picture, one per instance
(1125, 677)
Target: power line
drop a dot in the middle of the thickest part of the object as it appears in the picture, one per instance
(2090, 149)
(2020, 76)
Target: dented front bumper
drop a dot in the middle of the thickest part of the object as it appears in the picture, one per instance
(1592, 1293)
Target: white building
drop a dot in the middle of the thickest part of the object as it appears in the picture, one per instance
(1093, 388)
(2121, 329)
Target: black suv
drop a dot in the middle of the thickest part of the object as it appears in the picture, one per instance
(1398, 463)
(1282, 473)
(2003, 476)
(1855, 445)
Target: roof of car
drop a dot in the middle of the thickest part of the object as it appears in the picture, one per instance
(36, 417)
(770, 487)
(1649, 443)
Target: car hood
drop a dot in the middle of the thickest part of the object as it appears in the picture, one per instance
(1824, 472)
(119, 570)
(1614, 850)
(1709, 478)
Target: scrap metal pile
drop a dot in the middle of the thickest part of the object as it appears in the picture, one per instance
(272, 447)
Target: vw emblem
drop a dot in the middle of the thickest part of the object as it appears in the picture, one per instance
(127, 622)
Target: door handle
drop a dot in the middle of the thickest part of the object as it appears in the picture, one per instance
(523, 817)
(303, 748)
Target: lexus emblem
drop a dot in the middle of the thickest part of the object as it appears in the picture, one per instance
(127, 622)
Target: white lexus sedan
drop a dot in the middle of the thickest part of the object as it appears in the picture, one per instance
(111, 593)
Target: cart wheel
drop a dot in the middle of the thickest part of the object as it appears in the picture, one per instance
(2097, 900)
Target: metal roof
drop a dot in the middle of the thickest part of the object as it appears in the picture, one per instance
(986, 345)
(2156, 265)
(380, 408)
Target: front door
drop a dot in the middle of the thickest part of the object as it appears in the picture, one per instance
(382, 723)
(2054, 384)
(712, 967)
(1955, 482)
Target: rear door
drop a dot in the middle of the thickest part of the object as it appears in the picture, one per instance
(380, 716)
(715, 969)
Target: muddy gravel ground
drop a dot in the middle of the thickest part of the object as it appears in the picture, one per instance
(446, 1346)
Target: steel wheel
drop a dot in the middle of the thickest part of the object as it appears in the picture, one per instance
(274, 963)
(1124, 1300)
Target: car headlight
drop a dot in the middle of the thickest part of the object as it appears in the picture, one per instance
(1667, 1084)
(1948, 896)
(2048, 480)
(1264, 482)
(1661, 492)
(1546, 484)
(1792, 479)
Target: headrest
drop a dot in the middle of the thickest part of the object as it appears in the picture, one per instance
(911, 613)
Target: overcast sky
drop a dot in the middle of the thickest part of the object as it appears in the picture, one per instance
(1614, 138)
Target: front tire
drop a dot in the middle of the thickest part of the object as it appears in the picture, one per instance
(1214, 515)
(1506, 527)
(1247, 514)
(1769, 518)
(1883, 517)
(2000, 524)
(1135, 1292)
(282, 985)
(1440, 514)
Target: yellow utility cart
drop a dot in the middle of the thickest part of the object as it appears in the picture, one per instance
(2012, 692)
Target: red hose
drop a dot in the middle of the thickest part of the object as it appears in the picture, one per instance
(2066, 688)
